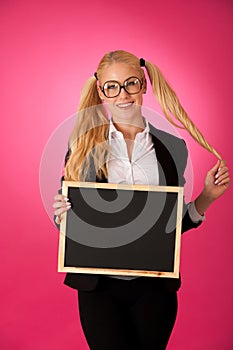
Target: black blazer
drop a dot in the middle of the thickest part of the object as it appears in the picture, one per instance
(171, 153)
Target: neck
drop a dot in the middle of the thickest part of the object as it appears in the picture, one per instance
(129, 130)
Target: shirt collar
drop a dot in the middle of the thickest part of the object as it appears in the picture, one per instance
(113, 131)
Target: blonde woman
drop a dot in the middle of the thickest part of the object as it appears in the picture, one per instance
(114, 143)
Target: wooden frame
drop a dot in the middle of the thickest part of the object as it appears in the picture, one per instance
(155, 253)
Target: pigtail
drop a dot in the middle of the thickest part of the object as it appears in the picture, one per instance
(87, 142)
(89, 95)
(171, 106)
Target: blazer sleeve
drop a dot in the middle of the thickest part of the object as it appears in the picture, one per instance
(181, 164)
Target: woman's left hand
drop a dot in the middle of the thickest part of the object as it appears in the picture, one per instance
(217, 180)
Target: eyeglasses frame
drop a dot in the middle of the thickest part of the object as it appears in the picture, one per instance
(121, 87)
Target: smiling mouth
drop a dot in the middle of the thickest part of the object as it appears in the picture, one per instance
(125, 105)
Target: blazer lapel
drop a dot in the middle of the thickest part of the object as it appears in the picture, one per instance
(167, 168)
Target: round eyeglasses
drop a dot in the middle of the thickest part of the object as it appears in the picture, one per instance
(112, 88)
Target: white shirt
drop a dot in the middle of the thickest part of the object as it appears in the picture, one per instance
(143, 166)
(141, 169)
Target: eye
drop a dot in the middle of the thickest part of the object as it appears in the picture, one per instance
(132, 82)
(111, 86)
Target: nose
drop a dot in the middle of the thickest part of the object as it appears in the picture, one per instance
(123, 92)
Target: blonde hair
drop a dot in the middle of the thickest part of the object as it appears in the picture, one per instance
(171, 106)
(88, 140)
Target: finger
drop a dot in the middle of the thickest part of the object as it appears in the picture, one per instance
(61, 197)
(62, 210)
(221, 174)
(222, 171)
(58, 197)
(60, 204)
(222, 177)
(222, 163)
(215, 168)
(225, 182)
(58, 220)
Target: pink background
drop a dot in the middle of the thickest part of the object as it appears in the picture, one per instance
(48, 49)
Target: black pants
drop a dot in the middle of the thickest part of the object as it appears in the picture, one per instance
(128, 315)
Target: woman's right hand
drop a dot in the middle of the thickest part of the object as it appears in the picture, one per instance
(61, 205)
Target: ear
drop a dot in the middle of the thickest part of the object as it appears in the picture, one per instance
(101, 95)
(144, 86)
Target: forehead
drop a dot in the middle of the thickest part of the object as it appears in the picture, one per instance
(119, 71)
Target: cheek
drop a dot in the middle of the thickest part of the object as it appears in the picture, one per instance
(139, 100)
(109, 107)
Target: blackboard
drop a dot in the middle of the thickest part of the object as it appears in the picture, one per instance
(118, 229)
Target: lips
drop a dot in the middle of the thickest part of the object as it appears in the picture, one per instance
(125, 105)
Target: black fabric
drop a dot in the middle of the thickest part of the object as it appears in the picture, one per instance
(125, 315)
(171, 153)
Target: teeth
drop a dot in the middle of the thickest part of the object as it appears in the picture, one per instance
(124, 104)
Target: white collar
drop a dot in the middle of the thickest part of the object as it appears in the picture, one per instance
(113, 130)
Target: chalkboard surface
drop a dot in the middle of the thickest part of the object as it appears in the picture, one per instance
(116, 229)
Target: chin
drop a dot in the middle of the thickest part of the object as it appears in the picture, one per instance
(127, 114)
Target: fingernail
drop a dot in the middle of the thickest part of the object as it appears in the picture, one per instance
(216, 182)
(68, 206)
(216, 176)
(66, 199)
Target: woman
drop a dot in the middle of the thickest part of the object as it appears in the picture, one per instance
(119, 312)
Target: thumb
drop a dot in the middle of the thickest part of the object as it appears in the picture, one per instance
(222, 162)
(215, 168)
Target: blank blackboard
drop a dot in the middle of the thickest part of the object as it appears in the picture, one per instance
(118, 229)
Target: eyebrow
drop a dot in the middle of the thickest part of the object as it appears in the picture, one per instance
(116, 81)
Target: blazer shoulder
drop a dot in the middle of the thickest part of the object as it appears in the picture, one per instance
(174, 144)
(164, 135)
